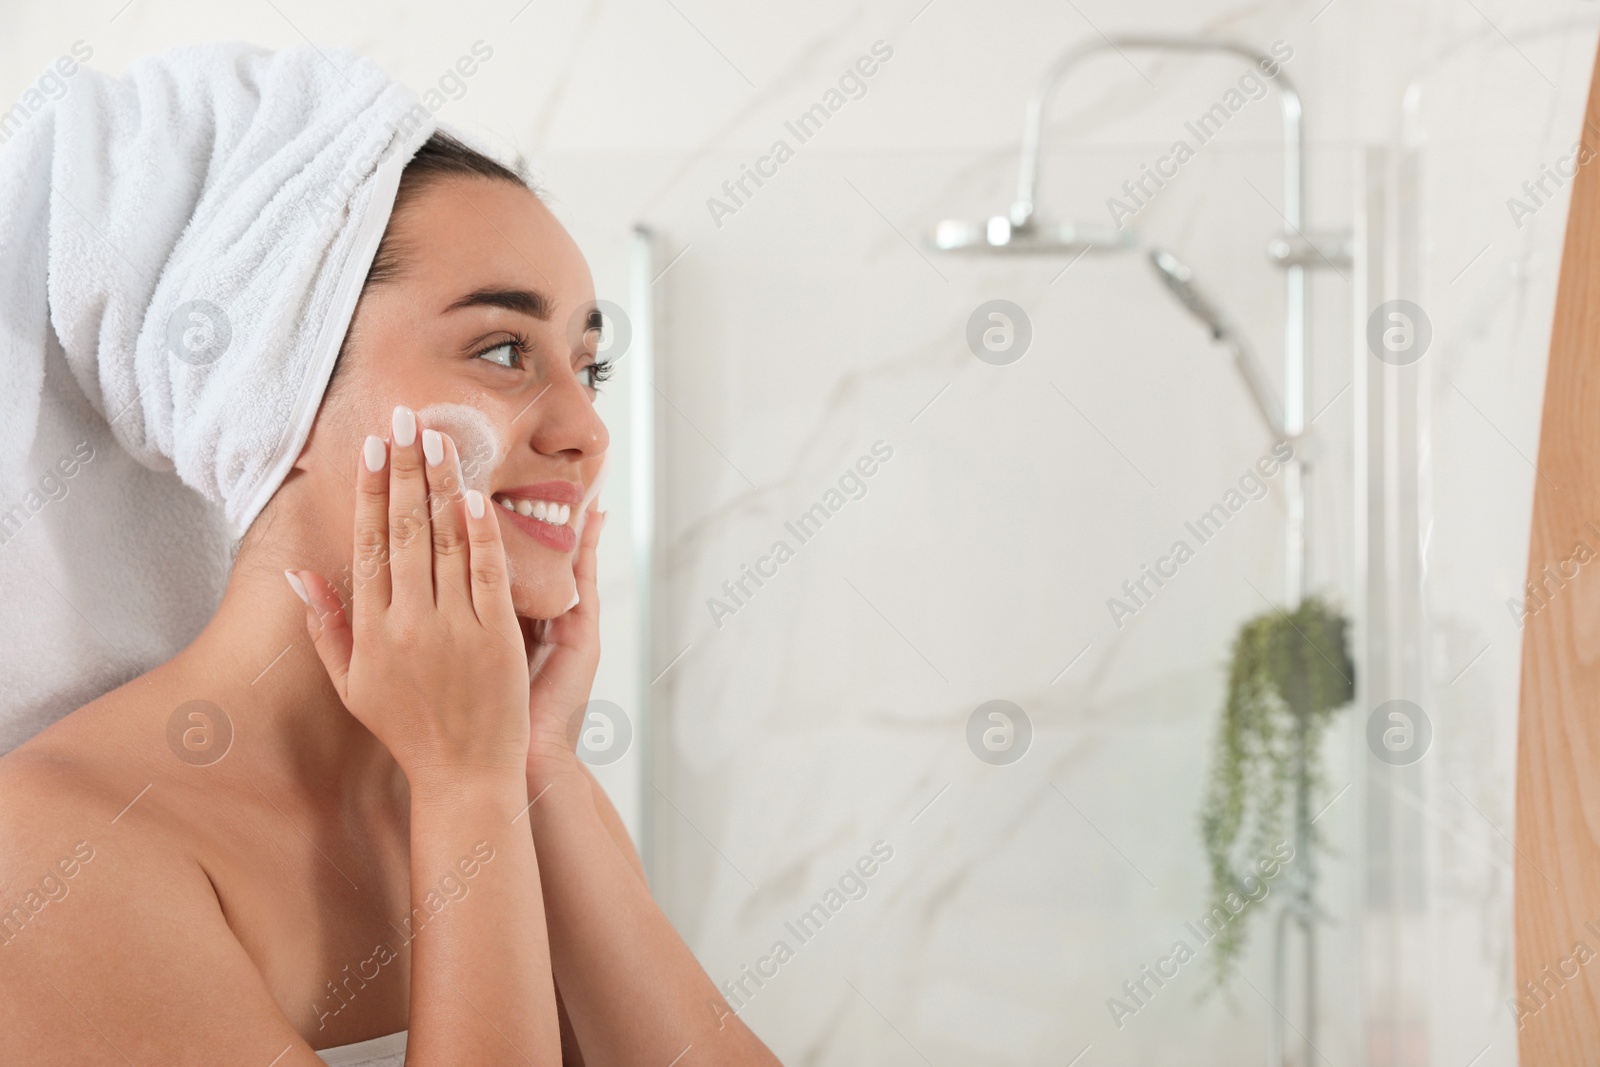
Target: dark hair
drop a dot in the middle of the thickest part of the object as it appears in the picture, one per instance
(441, 158)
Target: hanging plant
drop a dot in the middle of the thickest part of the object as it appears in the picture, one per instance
(1286, 668)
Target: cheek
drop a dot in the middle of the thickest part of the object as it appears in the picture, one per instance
(477, 440)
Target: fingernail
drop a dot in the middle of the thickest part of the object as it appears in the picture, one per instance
(574, 602)
(374, 453)
(475, 503)
(404, 426)
(433, 447)
(298, 586)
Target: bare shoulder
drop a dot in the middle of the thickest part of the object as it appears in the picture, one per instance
(113, 946)
(69, 792)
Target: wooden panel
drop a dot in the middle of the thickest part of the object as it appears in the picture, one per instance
(1558, 732)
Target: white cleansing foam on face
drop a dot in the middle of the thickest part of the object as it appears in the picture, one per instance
(477, 442)
(482, 450)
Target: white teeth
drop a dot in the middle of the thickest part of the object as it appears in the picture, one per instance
(543, 510)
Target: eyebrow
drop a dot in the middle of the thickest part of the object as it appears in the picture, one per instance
(524, 301)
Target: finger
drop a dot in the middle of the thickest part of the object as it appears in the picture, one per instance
(449, 519)
(410, 533)
(585, 567)
(369, 593)
(327, 624)
(491, 585)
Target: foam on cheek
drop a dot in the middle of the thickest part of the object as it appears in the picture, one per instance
(477, 441)
(482, 450)
(478, 444)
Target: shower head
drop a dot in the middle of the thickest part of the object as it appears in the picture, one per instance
(1180, 281)
(998, 235)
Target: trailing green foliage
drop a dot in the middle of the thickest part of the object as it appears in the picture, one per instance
(1286, 668)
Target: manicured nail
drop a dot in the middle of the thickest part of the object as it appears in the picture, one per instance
(404, 426)
(374, 453)
(433, 447)
(574, 602)
(298, 586)
(475, 503)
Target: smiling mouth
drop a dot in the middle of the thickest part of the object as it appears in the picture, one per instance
(545, 511)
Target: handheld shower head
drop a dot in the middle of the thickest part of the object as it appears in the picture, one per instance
(1180, 281)
(997, 235)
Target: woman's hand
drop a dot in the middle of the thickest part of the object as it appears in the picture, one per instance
(431, 662)
(563, 653)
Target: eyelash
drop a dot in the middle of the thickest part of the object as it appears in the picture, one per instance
(598, 372)
(518, 343)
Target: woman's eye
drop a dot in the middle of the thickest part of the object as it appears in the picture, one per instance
(504, 354)
(599, 372)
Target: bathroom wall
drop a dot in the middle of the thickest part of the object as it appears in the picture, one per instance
(829, 713)
(1490, 124)
(819, 720)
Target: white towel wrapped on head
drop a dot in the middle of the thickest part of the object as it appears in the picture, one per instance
(181, 250)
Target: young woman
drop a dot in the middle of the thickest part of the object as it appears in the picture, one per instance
(400, 837)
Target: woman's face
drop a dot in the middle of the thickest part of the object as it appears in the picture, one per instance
(488, 333)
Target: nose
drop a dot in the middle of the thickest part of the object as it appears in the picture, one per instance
(563, 422)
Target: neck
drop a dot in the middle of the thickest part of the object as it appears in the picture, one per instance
(255, 660)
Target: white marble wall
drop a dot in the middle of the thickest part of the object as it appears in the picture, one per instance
(1487, 114)
(828, 713)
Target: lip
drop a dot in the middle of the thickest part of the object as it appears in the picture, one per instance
(559, 492)
(560, 538)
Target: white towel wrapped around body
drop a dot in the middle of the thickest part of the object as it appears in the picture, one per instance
(181, 250)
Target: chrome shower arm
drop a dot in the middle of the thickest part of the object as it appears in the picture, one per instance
(1033, 122)
(1255, 380)
(1291, 419)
